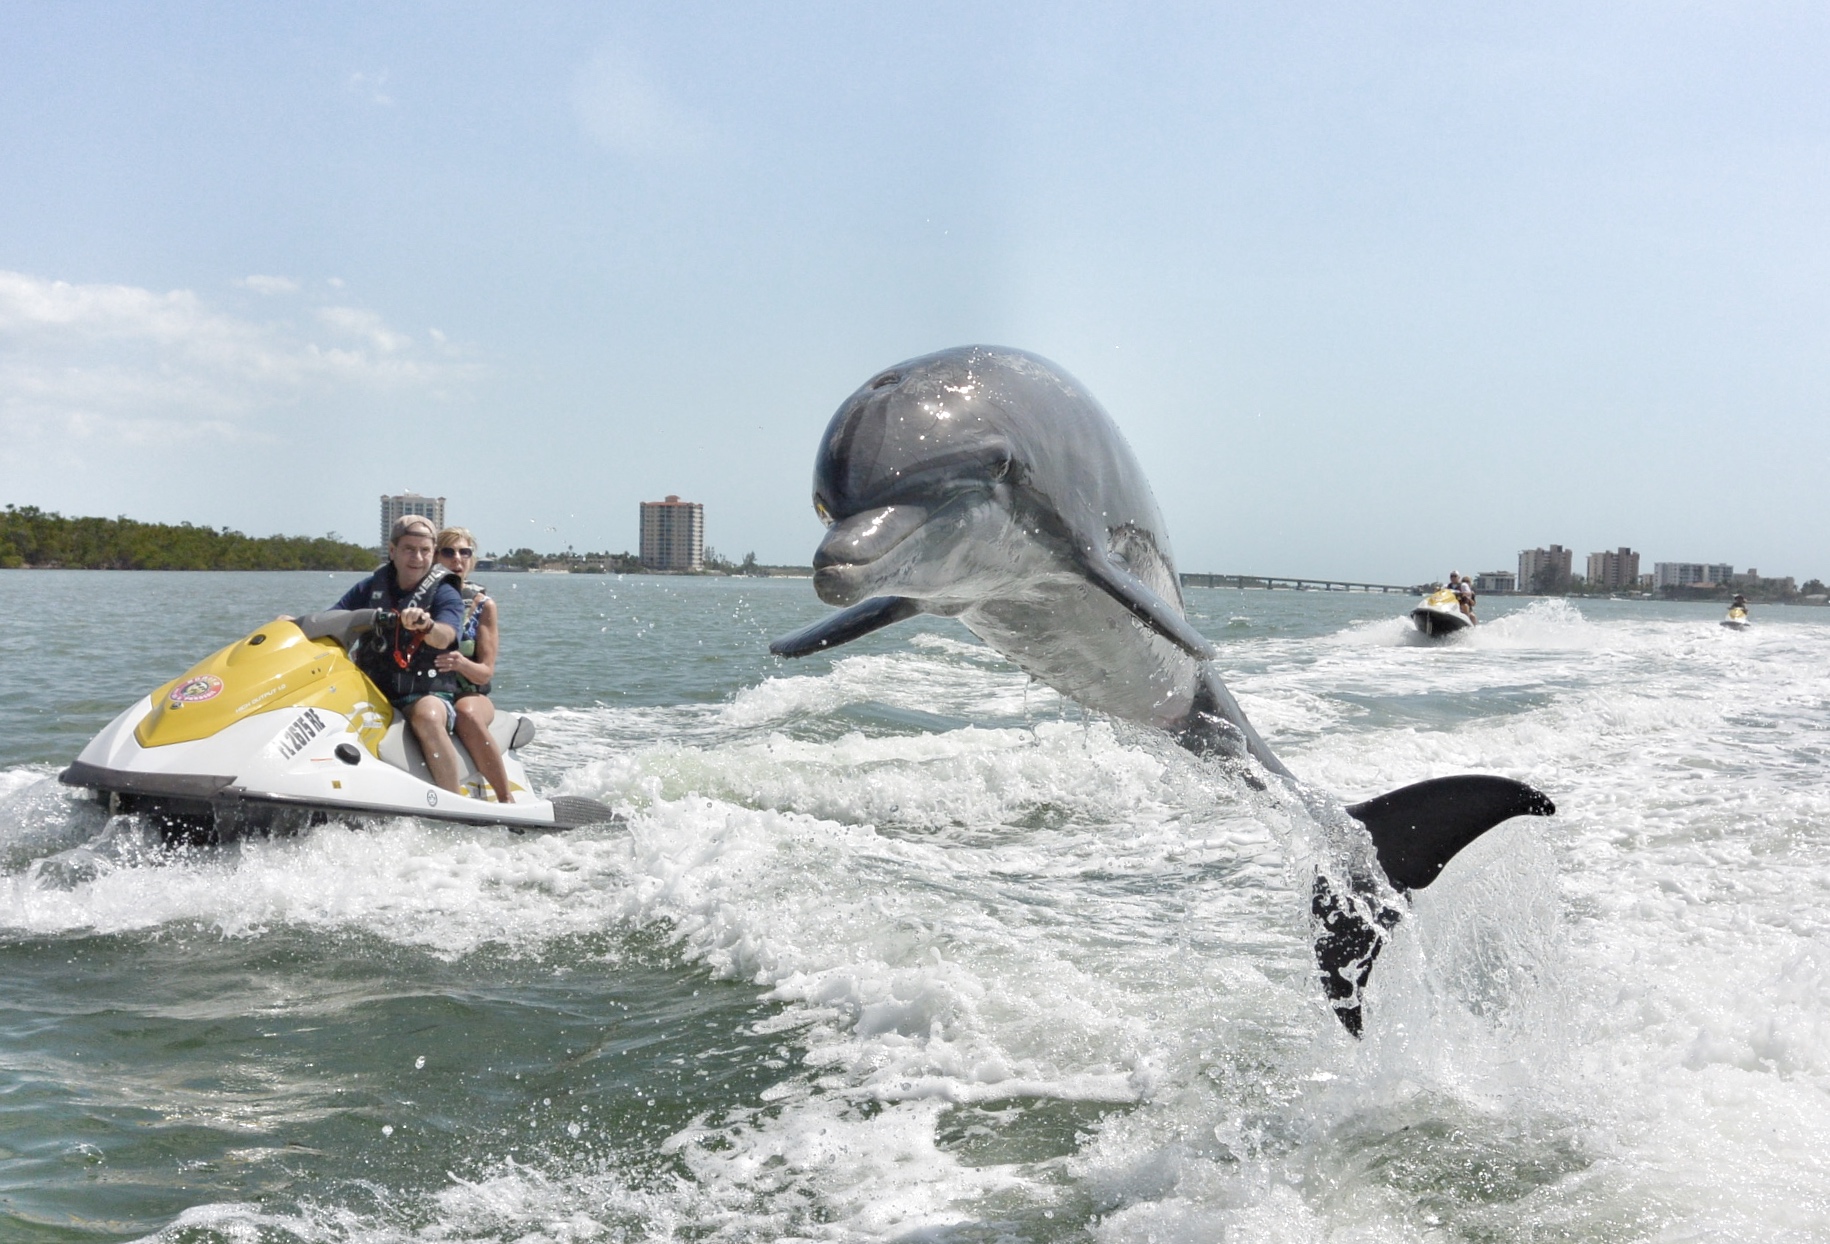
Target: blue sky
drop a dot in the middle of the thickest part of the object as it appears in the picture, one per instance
(1374, 291)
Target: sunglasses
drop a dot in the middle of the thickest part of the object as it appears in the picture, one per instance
(457, 552)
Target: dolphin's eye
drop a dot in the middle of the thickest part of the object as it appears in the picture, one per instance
(884, 381)
(819, 507)
(1000, 469)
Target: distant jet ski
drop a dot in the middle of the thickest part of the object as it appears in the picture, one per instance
(1440, 614)
(1737, 619)
(280, 730)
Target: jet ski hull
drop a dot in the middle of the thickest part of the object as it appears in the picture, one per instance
(1434, 618)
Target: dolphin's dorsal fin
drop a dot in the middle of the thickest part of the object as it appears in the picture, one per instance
(1418, 829)
(1145, 605)
(846, 625)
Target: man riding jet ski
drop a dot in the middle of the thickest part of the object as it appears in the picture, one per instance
(1737, 618)
(281, 725)
(401, 658)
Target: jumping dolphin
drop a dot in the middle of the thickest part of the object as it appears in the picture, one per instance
(986, 484)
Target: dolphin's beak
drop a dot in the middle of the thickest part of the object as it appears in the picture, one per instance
(841, 564)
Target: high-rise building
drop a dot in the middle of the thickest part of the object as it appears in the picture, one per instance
(1544, 570)
(673, 535)
(1615, 570)
(402, 504)
(1691, 574)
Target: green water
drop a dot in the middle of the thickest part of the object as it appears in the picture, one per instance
(896, 945)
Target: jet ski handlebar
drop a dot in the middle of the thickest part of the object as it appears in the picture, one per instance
(343, 625)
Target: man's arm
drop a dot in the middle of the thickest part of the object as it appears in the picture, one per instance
(441, 623)
(356, 598)
(438, 634)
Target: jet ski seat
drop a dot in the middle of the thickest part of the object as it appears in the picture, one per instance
(400, 746)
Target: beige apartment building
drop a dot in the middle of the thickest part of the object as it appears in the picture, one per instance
(1614, 571)
(1544, 570)
(402, 504)
(673, 534)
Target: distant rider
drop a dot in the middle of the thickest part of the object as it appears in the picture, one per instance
(1463, 587)
(401, 657)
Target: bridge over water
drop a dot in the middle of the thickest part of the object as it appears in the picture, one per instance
(1273, 582)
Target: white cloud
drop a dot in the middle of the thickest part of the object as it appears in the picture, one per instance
(370, 87)
(366, 326)
(80, 362)
(619, 106)
(270, 284)
(443, 344)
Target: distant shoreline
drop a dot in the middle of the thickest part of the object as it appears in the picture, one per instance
(772, 572)
(34, 539)
(757, 572)
(373, 559)
(1682, 596)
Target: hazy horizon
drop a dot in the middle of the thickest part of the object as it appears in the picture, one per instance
(1373, 295)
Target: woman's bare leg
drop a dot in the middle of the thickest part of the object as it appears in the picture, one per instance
(475, 712)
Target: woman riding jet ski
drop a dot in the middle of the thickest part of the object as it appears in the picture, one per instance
(1737, 618)
(282, 725)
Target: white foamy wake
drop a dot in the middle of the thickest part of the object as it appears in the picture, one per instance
(1680, 978)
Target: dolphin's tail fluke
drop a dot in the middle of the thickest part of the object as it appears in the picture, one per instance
(1416, 830)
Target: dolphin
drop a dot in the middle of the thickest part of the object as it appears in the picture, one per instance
(986, 484)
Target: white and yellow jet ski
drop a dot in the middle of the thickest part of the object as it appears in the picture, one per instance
(1440, 613)
(1737, 618)
(280, 730)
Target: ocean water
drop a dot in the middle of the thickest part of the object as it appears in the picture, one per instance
(895, 945)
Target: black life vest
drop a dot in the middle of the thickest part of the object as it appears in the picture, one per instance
(396, 659)
(475, 597)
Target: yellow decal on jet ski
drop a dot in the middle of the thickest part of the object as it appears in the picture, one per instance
(276, 667)
(1444, 599)
(370, 722)
(479, 788)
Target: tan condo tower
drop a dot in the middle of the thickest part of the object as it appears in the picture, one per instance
(673, 535)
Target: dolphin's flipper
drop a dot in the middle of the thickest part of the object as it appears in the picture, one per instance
(1217, 726)
(1149, 608)
(1417, 829)
(846, 625)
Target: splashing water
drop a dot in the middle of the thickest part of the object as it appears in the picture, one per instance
(895, 944)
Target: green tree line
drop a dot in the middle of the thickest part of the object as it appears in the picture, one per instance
(31, 537)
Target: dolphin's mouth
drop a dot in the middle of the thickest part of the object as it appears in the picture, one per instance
(842, 564)
(955, 550)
